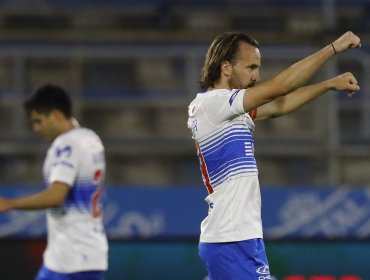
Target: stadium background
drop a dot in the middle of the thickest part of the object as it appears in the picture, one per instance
(132, 67)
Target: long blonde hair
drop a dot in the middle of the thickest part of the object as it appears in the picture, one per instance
(223, 48)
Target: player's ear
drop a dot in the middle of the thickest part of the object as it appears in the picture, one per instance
(57, 114)
(226, 68)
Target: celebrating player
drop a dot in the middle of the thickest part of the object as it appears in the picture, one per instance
(74, 170)
(221, 119)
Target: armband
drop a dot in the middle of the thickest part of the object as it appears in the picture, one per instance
(253, 113)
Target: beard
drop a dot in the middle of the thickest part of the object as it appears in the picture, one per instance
(236, 82)
(251, 84)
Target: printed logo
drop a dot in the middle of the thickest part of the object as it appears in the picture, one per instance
(232, 97)
(194, 126)
(268, 277)
(263, 270)
(66, 150)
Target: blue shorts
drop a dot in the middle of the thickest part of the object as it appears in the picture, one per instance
(47, 274)
(242, 260)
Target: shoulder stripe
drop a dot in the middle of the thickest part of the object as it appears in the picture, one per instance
(233, 96)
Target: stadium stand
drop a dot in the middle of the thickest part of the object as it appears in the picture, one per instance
(133, 67)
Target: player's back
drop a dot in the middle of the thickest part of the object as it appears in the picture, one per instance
(76, 237)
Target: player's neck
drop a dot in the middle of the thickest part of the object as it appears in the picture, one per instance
(66, 126)
(221, 84)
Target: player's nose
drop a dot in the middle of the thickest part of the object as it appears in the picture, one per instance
(256, 76)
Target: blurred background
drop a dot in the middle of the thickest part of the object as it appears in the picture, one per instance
(132, 67)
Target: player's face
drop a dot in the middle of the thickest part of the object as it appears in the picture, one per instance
(44, 124)
(246, 67)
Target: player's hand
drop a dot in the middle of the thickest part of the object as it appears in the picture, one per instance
(345, 82)
(4, 205)
(346, 41)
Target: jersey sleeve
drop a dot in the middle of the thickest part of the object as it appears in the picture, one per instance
(66, 165)
(225, 105)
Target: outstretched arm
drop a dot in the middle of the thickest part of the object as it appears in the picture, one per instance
(297, 74)
(51, 197)
(296, 99)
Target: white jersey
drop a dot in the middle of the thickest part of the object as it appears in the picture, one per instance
(223, 135)
(76, 237)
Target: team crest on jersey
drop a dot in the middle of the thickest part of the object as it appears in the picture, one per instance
(232, 97)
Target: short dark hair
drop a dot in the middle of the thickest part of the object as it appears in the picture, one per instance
(47, 98)
(223, 48)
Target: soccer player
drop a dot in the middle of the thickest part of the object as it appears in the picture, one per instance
(73, 170)
(222, 122)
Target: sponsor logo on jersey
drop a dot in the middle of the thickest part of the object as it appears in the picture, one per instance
(66, 150)
(263, 270)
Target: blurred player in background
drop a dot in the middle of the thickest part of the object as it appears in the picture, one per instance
(221, 119)
(73, 170)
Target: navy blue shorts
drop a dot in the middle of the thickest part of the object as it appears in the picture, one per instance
(242, 260)
(47, 274)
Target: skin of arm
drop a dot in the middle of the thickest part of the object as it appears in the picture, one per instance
(296, 99)
(297, 74)
(51, 197)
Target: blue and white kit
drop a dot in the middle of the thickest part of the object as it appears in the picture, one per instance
(76, 236)
(231, 244)
(223, 135)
